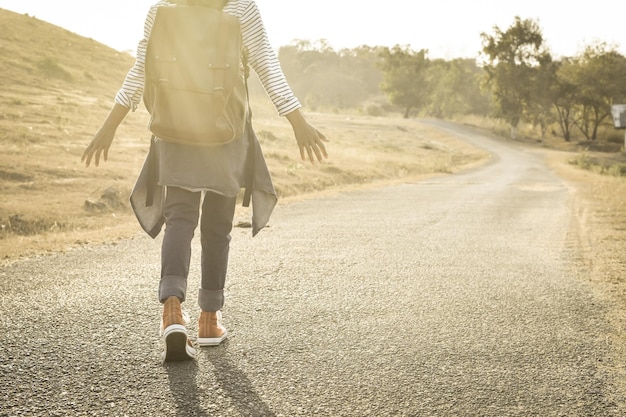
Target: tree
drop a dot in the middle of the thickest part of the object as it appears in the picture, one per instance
(539, 107)
(332, 79)
(456, 89)
(599, 73)
(405, 77)
(512, 58)
(564, 96)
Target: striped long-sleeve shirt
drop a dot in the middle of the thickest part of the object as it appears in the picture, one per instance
(261, 58)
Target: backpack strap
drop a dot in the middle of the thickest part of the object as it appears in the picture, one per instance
(250, 158)
(152, 173)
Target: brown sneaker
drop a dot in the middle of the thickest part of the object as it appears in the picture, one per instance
(210, 330)
(176, 343)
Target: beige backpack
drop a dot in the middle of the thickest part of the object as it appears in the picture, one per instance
(195, 89)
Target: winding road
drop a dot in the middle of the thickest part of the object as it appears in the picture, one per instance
(458, 295)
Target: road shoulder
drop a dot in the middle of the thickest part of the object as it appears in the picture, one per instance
(599, 230)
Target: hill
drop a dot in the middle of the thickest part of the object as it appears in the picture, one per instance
(58, 87)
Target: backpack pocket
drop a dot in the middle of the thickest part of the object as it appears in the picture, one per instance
(195, 117)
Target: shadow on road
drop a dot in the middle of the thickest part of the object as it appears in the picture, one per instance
(184, 387)
(185, 378)
(236, 384)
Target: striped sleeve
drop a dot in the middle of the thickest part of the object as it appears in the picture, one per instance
(264, 61)
(131, 93)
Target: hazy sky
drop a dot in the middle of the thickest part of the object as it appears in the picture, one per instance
(447, 28)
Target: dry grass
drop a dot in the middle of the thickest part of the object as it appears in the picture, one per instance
(54, 202)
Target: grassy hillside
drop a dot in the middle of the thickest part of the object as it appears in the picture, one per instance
(58, 87)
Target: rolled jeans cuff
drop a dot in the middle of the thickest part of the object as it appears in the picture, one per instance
(211, 300)
(172, 286)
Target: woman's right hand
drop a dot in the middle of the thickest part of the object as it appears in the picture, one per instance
(103, 138)
(99, 145)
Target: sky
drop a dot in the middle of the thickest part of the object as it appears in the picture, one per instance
(446, 28)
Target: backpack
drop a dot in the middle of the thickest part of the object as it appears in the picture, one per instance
(194, 88)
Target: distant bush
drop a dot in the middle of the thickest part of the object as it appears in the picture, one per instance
(616, 137)
(599, 165)
(52, 69)
(373, 109)
(377, 106)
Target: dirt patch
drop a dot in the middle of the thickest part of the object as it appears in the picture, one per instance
(14, 176)
(600, 146)
(17, 225)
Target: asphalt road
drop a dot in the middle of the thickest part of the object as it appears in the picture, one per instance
(460, 295)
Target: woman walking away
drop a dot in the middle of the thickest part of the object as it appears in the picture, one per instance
(202, 177)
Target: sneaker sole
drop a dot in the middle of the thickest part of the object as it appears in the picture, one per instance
(175, 344)
(210, 341)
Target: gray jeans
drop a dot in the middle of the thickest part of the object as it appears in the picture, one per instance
(181, 210)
